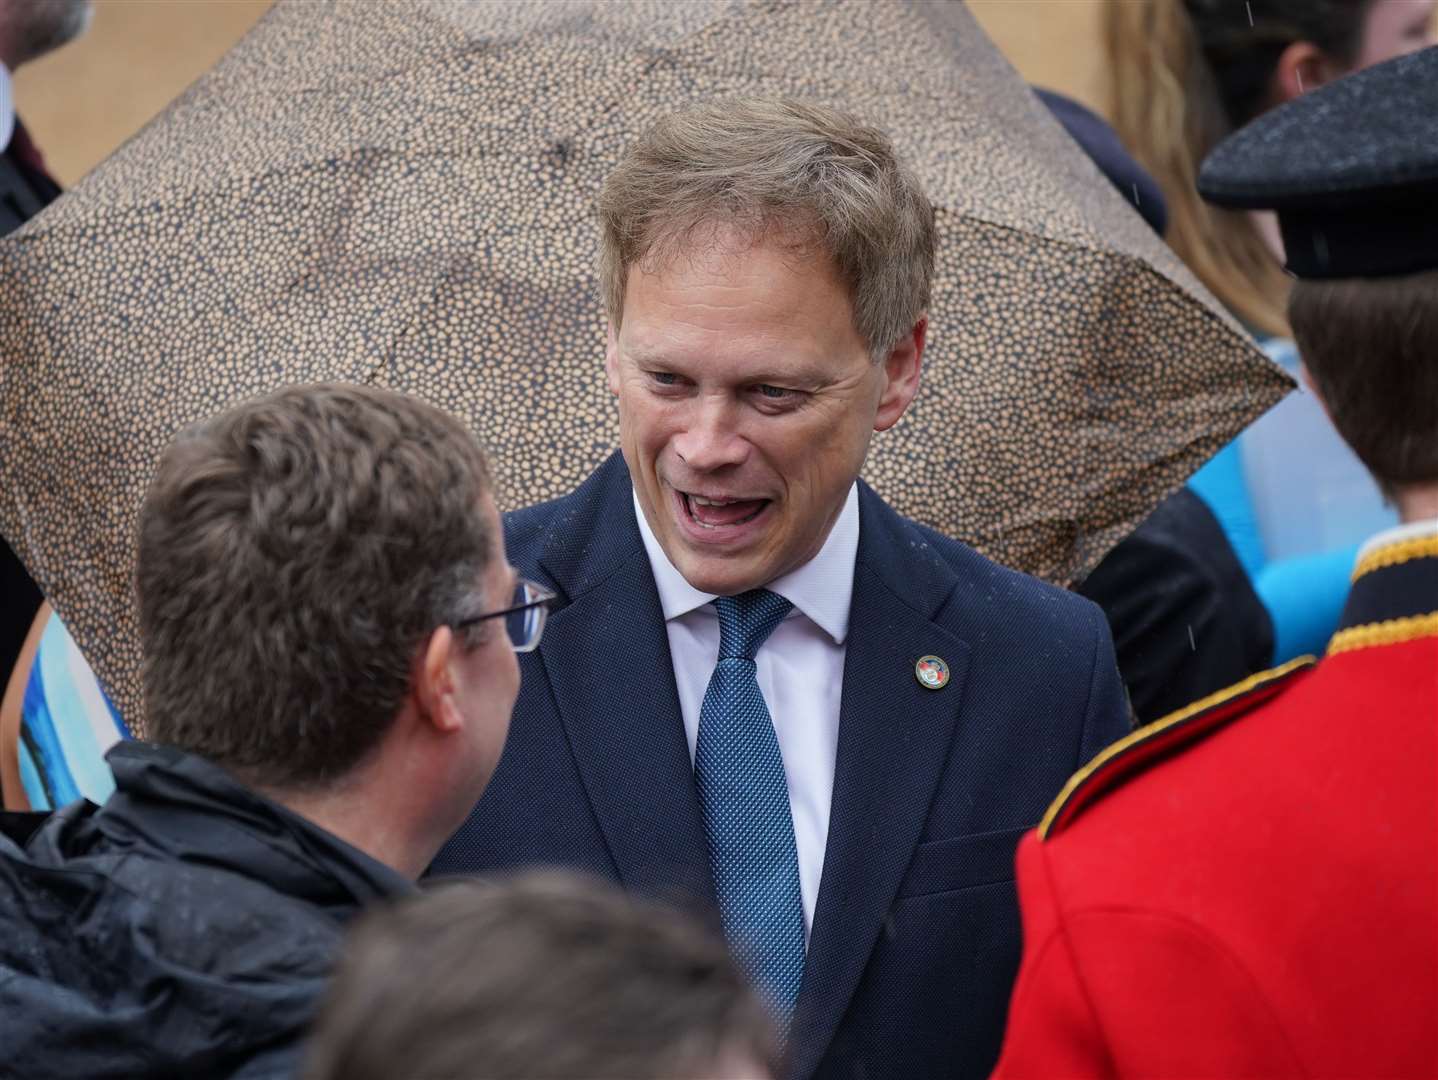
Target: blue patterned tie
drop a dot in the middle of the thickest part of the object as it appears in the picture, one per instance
(745, 801)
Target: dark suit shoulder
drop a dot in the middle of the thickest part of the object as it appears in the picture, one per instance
(576, 541)
(522, 528)
(1132, 755)
(1015, 583)
(982, 598)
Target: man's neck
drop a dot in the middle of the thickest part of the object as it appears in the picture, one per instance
(356, 814)
(1417, 504)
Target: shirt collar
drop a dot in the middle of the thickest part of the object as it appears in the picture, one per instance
(821, 589)
(7, 108)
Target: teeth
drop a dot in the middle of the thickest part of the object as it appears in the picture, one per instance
(705, 525)
(699, 500)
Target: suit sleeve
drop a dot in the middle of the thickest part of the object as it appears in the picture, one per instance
(1052, 1029)
(1109, 716)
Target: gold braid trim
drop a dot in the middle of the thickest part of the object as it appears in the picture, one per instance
(1148, 731)
(1387, 632)
(1420, 547)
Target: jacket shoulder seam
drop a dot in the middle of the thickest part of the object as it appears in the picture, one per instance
(1126, 757)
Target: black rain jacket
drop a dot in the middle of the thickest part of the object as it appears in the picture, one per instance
(185, 928)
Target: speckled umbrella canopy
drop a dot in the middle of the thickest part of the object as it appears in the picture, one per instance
(402, 194)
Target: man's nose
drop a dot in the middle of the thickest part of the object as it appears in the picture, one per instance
(711, 439)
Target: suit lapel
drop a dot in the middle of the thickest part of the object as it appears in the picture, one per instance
(606, 654)
(894, 737)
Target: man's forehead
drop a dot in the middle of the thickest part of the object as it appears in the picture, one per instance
(717, 243)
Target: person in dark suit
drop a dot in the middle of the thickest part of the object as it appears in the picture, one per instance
(28, 29)
(763, 691)
(1249, 887)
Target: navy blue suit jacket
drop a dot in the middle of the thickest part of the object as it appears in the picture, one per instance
(915, 940)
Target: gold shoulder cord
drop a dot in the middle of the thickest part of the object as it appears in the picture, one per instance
(1387, 632)
(1420, 547)
(1158, 727)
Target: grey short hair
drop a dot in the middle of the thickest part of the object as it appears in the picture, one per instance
(32, 28)
(294, 554)
(807, 173)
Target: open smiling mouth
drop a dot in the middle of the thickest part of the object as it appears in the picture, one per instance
(718, 513)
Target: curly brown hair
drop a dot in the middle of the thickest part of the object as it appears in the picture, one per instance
(294, 553)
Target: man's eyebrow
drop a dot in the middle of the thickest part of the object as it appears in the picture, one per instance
(641, 355)
(802, 376)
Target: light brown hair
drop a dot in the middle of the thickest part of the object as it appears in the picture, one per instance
(545, 975)
(1183, 75)
(803, 173)
(1371, 348)
(294, 552)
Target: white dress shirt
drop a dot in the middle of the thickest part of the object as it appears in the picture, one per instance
(801, 673)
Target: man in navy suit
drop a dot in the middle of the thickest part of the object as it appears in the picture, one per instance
(762, 692)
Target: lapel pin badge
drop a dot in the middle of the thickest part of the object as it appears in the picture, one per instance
(932, 672)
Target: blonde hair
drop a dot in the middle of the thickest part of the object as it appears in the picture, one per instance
(1167, 113)
(802, 172)
(1185, 73)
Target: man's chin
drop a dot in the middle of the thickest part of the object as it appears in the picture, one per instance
(722, 576)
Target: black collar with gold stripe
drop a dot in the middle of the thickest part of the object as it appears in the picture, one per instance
(1394, 599)
(1394, 596)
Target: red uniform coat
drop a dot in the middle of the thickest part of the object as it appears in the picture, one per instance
(1264, 903)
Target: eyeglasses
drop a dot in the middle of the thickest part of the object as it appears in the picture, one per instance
(524, 618)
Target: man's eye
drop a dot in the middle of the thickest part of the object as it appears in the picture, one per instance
(664, 378)
(774, 393)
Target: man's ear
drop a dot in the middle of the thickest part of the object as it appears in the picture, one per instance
(611, 356)
(901, 371)
(1301, 67)
(434, 682)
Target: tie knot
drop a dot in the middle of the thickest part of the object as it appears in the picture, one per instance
(747, 620)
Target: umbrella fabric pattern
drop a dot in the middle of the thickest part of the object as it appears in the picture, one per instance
(402, 194)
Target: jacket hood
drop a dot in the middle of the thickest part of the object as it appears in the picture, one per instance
(175, 805)
(185, 928)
